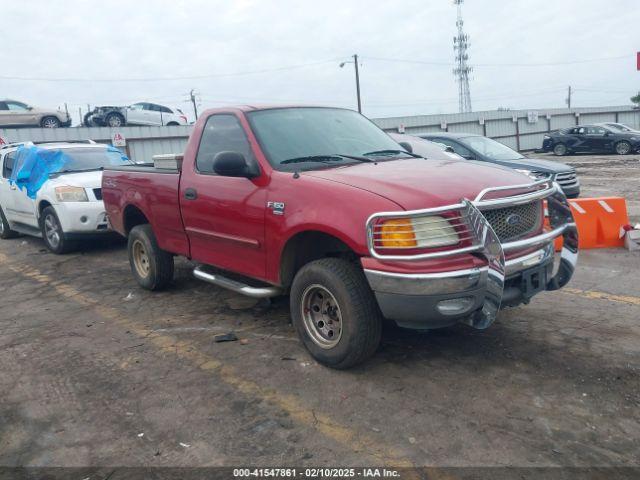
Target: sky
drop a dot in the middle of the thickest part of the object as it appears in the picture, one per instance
(525, 53)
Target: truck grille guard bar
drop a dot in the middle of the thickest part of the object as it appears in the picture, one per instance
(486, 243)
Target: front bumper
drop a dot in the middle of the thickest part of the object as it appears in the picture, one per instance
(82, 217)
(474, 296)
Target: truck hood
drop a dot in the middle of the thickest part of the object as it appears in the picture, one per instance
(80, 179)
(535, 164)
(418, 183)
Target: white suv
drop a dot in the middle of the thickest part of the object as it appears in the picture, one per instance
(54, 191)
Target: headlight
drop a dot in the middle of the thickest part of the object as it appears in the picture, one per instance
(71, 194)
(532, 173)
(418, 232)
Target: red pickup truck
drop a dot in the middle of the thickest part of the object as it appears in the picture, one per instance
(321, 204)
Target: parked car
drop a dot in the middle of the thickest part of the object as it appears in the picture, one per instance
(142, 113)
(19, 114)
(477, 147)
(591, 139)
(425, 148)
(321, 204)
(53, 191)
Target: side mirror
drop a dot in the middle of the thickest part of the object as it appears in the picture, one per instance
(407, 146)
(29, 107)
(233, 164)
(449, 149)
(469, 157)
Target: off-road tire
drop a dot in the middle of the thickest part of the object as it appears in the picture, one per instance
(111, 118)
(560, 149)
(63, 245)
(5, 228)
(160, 262)
(623, 147)
(361, 318)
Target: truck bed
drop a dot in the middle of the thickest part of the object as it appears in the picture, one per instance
(154, 193)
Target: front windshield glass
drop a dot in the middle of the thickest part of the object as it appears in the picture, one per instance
(491, 149)
(80, 159)
(319, 135)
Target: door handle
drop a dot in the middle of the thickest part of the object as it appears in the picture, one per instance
(190, 194)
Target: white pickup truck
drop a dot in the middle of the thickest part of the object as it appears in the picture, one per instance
(61, 204)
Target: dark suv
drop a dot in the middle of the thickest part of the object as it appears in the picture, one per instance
(591, 139)
(477, 147)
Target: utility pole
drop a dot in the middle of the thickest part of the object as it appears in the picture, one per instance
(568, 100)
(462, 69)
(192, 94)
(355, 62)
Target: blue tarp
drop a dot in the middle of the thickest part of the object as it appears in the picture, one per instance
(32, 167)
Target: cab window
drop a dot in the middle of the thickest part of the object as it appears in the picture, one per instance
(222, 133)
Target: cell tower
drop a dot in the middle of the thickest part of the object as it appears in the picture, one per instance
(462, 69)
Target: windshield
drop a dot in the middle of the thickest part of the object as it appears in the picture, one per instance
(317, 134)
(491, 149)
(80, 159)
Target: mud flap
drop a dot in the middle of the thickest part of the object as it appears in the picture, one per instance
(494, 255)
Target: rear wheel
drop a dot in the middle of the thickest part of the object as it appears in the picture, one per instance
(623, 147)
(5, 228)
(560, 149)
(151, 266)
(50, 122)
(52, 233)
(335, 313)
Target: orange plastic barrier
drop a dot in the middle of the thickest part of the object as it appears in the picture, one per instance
(599, 221)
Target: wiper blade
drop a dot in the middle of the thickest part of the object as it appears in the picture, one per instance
(324, 158)
(392, 152)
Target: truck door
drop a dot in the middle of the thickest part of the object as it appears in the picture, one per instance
(224, 216)
(6, 199)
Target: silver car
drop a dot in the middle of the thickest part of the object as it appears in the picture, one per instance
(19, 114)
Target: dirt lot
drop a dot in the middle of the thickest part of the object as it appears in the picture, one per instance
(96, 371)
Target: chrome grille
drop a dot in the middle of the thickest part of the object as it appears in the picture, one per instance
(567, 179)
(513, 223)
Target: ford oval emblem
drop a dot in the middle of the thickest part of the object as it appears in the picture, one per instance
(514, 219)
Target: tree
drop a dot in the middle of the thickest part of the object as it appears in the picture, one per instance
(636, 99)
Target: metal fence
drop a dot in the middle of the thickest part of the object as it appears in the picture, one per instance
(519, 129)
(141, 142)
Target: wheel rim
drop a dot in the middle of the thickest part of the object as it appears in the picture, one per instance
(1, 226)
(52, 231)
(623, 148)
(560, 149)
(140, 258)
(321, 316)
(114, 121)
(50, 123)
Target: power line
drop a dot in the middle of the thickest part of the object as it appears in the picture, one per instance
(532, 64)
(165, 79)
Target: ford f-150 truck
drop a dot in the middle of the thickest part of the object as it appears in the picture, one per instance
(321, 204)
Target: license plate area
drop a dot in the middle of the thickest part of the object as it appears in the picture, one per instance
(534, 280)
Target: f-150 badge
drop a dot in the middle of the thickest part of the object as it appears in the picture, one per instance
(276, 207)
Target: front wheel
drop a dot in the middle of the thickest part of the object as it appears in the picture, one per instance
(52, 232)
(623, 147)
(114, 120)
(50, 122)
(335, 313)
(151, 266)
(560, 149)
